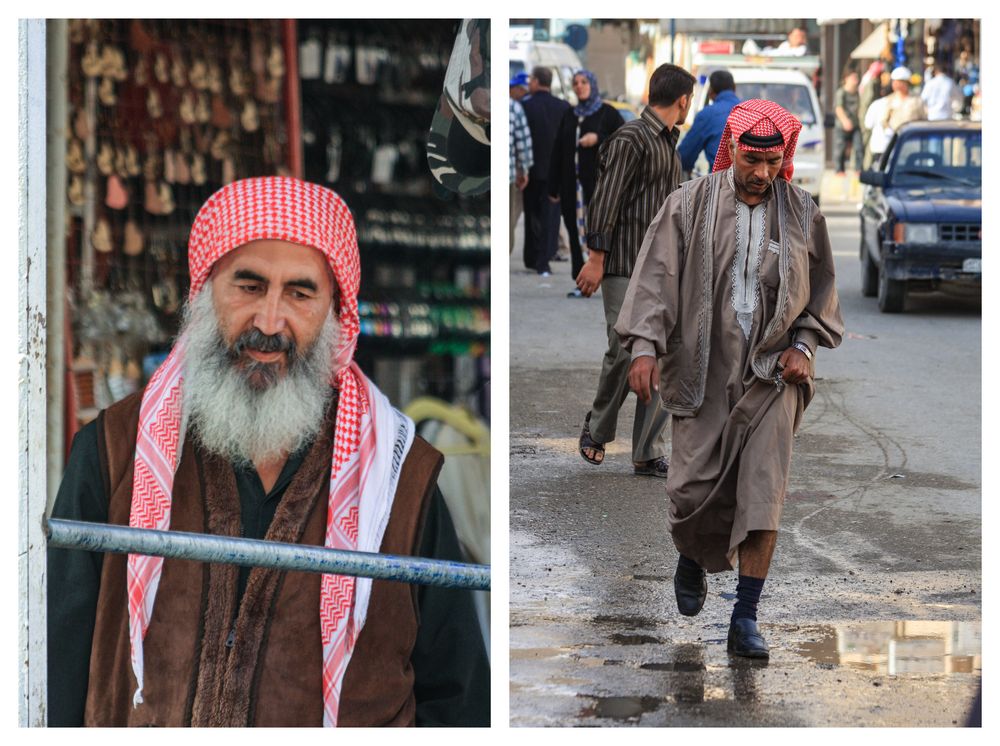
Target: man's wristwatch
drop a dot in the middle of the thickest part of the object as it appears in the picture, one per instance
(803, 348)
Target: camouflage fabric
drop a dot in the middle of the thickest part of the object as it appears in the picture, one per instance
(458, 149)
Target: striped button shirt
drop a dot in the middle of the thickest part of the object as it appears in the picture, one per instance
(521, 155)
(637, 168)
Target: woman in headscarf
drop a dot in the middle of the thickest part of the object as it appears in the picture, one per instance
(573, 172)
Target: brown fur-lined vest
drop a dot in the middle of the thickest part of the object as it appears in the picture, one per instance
(270, 674)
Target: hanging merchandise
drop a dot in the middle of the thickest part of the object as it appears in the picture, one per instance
(310, 57)
(334, 153)
(337, 64)
(424, 301)
(161, 113)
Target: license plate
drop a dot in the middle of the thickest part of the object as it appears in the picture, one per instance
(972, 265)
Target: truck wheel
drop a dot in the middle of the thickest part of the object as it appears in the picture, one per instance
(891, 293)
(869, 274)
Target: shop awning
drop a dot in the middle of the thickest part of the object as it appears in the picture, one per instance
(871, 48)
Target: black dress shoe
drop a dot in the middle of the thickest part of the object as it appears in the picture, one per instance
(745, 639)
(690, 588)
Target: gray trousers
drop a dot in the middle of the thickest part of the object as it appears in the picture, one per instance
(649, 431)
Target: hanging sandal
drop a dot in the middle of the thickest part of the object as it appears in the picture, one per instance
(198, 75)
(117, 196)
(588, 443)
(213, 79)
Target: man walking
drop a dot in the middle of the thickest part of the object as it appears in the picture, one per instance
(638, 167)
(519, 86)
(521, 159)
(259, 424)
(541, 217)
(902, 106)
(847, 126)
(732, 293)
(940, 95)
(706, 129)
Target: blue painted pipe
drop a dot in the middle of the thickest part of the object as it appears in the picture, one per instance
(100, 537)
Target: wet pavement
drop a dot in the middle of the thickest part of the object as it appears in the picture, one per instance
(872, 608)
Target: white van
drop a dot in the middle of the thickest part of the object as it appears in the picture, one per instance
(558, 57)
(794, 91)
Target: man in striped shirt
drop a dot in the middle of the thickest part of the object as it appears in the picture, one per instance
(638, 167)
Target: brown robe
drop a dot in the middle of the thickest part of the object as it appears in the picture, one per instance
(718, 318)
(271, 672)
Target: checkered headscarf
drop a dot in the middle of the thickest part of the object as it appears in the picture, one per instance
(759, 119)
(292, 210)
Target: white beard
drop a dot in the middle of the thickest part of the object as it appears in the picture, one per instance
(247, 423)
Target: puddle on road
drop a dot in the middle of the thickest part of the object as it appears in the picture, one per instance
(676, 666)
(897, 648)
(619, 708)
(618, 639)
(527, 654)
(625, 620)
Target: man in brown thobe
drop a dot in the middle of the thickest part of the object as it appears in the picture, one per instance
(732, 293)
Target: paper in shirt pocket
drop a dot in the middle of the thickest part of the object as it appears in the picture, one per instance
(774, 247)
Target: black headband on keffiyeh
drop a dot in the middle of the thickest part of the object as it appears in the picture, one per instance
(761, 126)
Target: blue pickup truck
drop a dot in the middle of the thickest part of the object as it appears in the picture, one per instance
(922, 213)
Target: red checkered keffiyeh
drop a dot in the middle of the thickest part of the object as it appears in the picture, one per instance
(291, 210)
(763, 119)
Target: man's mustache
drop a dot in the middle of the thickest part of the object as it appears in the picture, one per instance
(255, 339)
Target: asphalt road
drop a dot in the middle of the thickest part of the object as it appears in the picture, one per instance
(873, 605)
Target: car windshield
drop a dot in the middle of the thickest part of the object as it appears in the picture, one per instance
(792, 96)
(920, 159)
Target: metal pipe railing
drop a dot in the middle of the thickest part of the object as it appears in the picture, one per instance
(100, 537)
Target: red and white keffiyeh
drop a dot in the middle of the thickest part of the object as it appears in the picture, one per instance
(371, 438)
(762, 119)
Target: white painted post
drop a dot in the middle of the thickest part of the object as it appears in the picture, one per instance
(57, 104)
(32, 378)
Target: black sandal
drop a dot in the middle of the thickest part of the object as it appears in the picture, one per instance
(586, 442)
(657, 467)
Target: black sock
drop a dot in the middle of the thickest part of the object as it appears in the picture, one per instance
(684, 563)
(748, 592)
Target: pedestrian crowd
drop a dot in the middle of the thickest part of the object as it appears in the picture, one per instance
(555, 148)
(871, 107)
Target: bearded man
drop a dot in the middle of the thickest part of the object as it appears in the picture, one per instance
(259, 424)
(732, 293)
